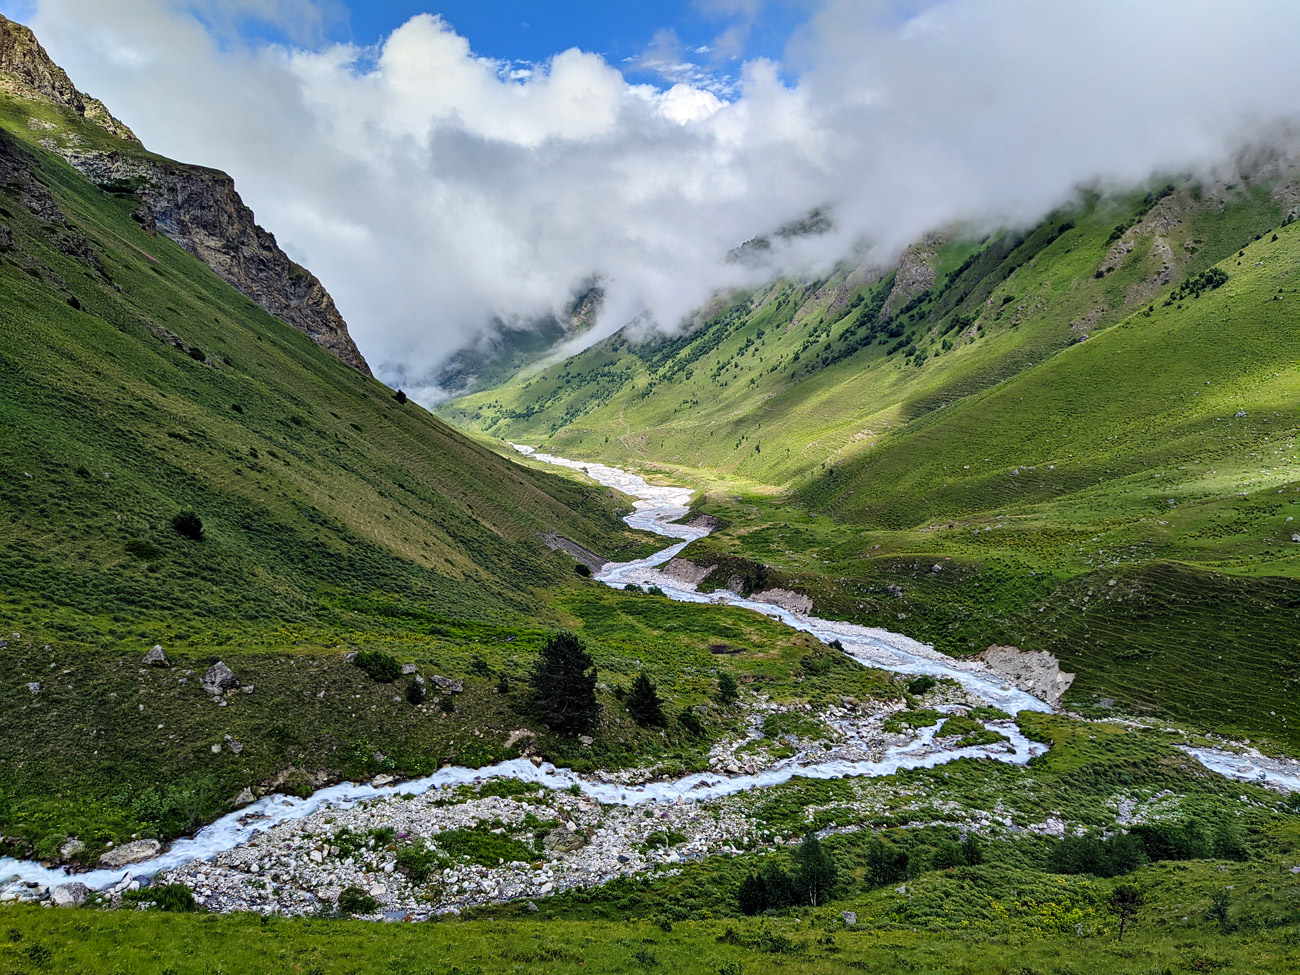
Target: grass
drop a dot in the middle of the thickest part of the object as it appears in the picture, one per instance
(971, 920)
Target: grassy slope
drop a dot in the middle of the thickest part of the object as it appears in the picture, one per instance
(335, 519)
(1034, 467)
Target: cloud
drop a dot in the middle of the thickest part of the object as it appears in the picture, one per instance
(435, 191)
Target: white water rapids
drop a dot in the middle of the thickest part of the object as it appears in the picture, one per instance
(657, 510)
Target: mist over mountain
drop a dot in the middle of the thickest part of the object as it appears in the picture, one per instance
(443, 196)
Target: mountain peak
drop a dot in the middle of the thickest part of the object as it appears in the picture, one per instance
(195, 206)
(26, 70)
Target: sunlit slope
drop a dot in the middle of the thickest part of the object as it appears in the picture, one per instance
(1089, 427)
(776, 383)
(137, 384)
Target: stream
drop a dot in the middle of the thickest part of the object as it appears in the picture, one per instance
(658, 509)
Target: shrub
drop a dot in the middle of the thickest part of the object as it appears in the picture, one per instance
(379, 666)
(196, 354)
(189, 524)
(400, 397)
(564, 681)
(297, 783)
(643, 702)
(582, 569)
(417, 861)
(920, 685)
(416, 691)
(690, 723)
(142, 550)
(354, 900)
(728, 692)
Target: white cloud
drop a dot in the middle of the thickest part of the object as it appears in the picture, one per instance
(433, 190)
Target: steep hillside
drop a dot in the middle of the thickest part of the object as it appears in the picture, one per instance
(194, 206)
(1089, 426)
(329, 515)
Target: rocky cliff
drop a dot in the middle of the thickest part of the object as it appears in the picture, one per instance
(194, 206)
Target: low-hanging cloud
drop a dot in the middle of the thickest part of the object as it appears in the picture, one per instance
(436, 192)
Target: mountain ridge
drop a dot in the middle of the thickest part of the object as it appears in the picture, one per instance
(196, 206)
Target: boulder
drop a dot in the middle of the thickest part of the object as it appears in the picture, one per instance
(446, 685)
(69, 895)
(235, 746)
(156, 657)
(850, 918)
(33, 687)
(219, 678)
(70, 848)
(563, 841)
(409, 669)
(127, 853)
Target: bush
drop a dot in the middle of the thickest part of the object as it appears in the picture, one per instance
(400, 397)
(1111, 857)
(416, 691)
(582, 569)
(379, 666)
(920, 685)
(145, 551)
(728, 692)
(564, 681)
(416, 862)
(189, 524)
(690, 723)
(643, 702)
(354, 900)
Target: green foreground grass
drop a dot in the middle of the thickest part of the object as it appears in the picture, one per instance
(965, 921)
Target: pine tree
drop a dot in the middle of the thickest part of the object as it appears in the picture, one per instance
(1124, 902)
(564, 680)
(643, 702)
(752, 896)
(814, 870)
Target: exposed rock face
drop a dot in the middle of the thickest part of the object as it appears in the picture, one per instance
(916, 273)
(683, 570)
(128, 853)
(200, 210)
(579, 552)
(795, 602)
(26, 70)
(446, 685)
(1035, 672)
(196, 207)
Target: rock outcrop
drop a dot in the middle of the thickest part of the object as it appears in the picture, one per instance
(200, 210)
(1035, 672)
(795, 602)
(194, 206)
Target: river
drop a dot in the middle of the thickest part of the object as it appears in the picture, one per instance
(658, 509)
